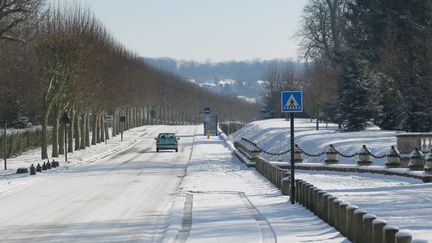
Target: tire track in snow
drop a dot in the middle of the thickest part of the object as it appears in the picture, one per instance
(268, 234)
(186, 224)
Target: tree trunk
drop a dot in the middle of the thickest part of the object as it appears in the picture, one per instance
(114, 124)
(106, 131)
(94, 131)
(98, 128)
(55, 135)
(70, 137)
(148, 115)
(84, 131)
(61, 138)
(87, 129)
(102, 127)
(44, 150)
(77, 134)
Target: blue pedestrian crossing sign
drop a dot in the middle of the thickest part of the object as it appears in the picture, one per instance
(292, 101)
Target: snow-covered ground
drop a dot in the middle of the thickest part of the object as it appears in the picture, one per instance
(77, 157)
(403, 202)
(233, 203)
(273, 136)
(200, 194)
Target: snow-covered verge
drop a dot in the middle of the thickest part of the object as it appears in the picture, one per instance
(403, 202)
(273, 135)
(90, 154)
(233, 203)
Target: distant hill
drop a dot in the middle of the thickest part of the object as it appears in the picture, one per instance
(239, 78)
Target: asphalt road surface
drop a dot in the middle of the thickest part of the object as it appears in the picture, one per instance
(125, 197)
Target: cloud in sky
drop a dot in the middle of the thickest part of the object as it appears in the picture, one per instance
(203, 29)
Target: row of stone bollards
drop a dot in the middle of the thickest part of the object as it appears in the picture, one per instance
(45, 166)
(352, 222)
(273, 173)
(418, 161)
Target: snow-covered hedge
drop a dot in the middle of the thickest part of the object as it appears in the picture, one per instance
(21, 140)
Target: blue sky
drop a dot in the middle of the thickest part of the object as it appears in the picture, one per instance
(203, 29)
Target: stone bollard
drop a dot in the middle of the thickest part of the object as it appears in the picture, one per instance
(416, 160)
(367, 227)
(44, 167)
(320, 203)
(428, 163)
(403, 237)
(331, 155)
(32, 170)
(304, 194)
(335, 212)
(315, 205)
(285, 186)
(325, 199)
(297, 190)
(297, 154)
(38, 168)
(358, 224)
(308, 195)
(393, 158)
(390, 234)
(378, 230)
(55, 163)
(364, 156)
(343, 218)
(330, 203)
(300, 192)
(48, 165)
(351, 230)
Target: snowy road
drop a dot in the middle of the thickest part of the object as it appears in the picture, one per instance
(125, 197)
(200, 194)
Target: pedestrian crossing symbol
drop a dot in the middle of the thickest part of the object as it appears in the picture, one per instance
(292, 101)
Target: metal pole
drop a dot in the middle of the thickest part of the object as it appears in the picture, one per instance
(5, 144)
(292, 196)
(65, 142)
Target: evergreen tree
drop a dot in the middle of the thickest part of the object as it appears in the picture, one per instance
(355, 102)
(388, 110)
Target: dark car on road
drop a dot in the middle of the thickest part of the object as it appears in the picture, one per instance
(167, 141)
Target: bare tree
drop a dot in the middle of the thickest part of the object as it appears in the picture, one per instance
(322, 29)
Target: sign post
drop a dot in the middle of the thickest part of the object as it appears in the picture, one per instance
(65, 120)
(207, 118)
(122, 122)
(291, 102)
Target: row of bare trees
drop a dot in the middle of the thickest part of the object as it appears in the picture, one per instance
(69, 63)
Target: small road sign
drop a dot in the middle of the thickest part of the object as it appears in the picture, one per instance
(207, 110)
(292, 101)
(153, 113)
(108, 118)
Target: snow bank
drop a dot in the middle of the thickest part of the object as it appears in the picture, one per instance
(274, 134)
